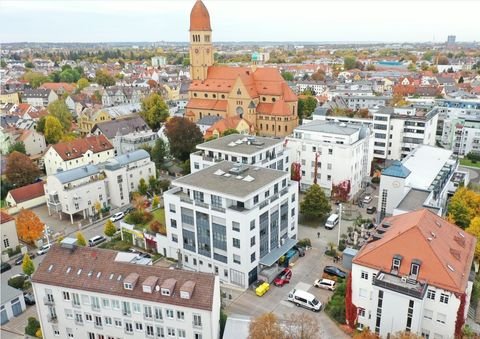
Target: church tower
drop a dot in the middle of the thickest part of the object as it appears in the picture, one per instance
(201, 51)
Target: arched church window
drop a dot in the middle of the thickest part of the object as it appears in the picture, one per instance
(239, 92)
(239, 110)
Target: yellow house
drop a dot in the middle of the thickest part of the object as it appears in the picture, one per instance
(172, 92)
(89, 117)
(241, 125)
(10, 98)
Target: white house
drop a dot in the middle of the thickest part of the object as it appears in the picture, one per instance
(8, 232)
(250, 150)
(338, 152)
(12, 302)
(39, 97)
(230, 219)
(111, 183)
(130, 142)
(80, 152)
(398, 130)
(413, 274)
(25, 197)
(92, 293)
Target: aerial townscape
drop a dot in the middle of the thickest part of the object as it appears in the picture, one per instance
(205, 189)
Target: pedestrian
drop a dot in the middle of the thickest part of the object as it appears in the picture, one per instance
(318, 235)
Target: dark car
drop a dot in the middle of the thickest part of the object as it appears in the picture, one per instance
(283, 278)
(5, 267)
(145, 255)
(29, 298)
(300, 250)
(371, 209)
(19, 260)
(335, 271)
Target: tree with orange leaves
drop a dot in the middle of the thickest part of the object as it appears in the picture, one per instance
(29, 226)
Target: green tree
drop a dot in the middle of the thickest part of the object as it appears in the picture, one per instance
(229, 131)
(155, 201)
(32, 327)
(109, 229)
(40, 128)
(287, 76)
(183, 136)
(35, 79)
(152, 184)
(81, 240)
(27, 265)
(306, 106)
(159, 152)
(59, 110)
(154, 110)
(18, 146)
(104, 79)
(28, 64)
(142, 187)
(53, 129)
(349, 62)
(82, 83)
(163, 185)
(69, 75)
(315, 204)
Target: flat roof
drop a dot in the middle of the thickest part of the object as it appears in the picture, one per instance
(425, 162)
(239, 144)
(413, 200)
(331, 127)
(217, 178)
(237, 326)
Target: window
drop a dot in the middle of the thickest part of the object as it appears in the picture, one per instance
(216, 200)
(396, 264)
(78, 318)
(108, 321)
(69, 332)
(160, 332)
(85, 299)
(138, 326)
(236, 226)
(441, 318)
(116, 304)
(428, 314)
(330, 151)
(236, 259)
(128, 327)
(293, 212)
(180, 315)
(136, 308)
(252, 257)
(118, 323)
(431, 294)
(364, 275)
(66, 295)
(147, 312)
(255, 199)
(158, 314)
(68, 313)
(414, 268)
(170, 314)
(170, 332)
(181, 333)
(363, 293)
(252, 241)
(98, 321)
(172, 208)
(95, 303)
(361, 312)
(150, 330)
(236, 242)
(106, 303)
(88, 317)
(444, 298)
(197, 320)
(252, 225)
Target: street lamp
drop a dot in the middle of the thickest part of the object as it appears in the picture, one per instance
(340, 207)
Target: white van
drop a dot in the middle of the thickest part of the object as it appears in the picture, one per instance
(332, 221)
(304, 299)
(96, 240)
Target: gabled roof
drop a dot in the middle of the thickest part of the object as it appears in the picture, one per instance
(121, 126)
(76, 148)
(5, 217)
(28, 192)
(55, 86)
(444, 250)
(209, 104)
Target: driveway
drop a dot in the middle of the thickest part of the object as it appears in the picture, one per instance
(15, 328)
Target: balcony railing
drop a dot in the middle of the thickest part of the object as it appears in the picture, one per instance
(402, 285)
(52, 318)
(48, 301)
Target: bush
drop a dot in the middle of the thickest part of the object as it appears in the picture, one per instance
(138, 217)
(375, 180)
(304, 242)
(14, 251)
(336, 306)
(342, 246)
(223, 321)
(474, 157)
(33, 326)
(17, 282)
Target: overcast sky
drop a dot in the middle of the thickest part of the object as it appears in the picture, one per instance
(246, 20)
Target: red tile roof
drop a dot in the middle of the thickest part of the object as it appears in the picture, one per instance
(199, 17)
(209, 104)
(76, 148)
(5, 217)
(445, 251)
(28, 192)
(279, 108)
(100, 273)
(55, 86)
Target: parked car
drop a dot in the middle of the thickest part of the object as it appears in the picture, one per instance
(96, 240)
(19, 260)
(5, 267)
(335, 271)
(283, 278)
(371, 209)
(262, 288)
(44, 249)
(29, 298)
(326, 284)
(117, 216)
(300, 250)
(367, 199)
(145, 255)
(304, 299)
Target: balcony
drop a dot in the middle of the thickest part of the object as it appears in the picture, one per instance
(402, 285)
(52, 318)
(48, 300)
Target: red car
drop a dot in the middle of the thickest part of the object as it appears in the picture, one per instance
(283, 278)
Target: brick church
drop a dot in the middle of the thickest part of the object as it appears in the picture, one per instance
(257, 94)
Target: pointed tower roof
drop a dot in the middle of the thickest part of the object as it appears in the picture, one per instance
(199, 17)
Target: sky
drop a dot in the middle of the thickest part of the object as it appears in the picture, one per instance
(246, 20)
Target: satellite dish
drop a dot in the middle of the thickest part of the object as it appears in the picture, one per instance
(157, 288)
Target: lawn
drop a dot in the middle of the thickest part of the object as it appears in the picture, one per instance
(468, 162)
(158, 215)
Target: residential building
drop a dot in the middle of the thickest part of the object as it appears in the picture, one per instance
(12, 302)
(133, 141)
(25, 197)
(414, 275)
(355, 102)
(259, 95)
(72, 154)
(34, 142)
(115, 95)
(113, 128)
(9, 98)
(91, 293)
(8, 231)
(399, 130)
(239, 124)
(317, 87)
(237, 148)
(230, 219)
(424, 178)
(159, 61)
(206, 122)
(60, 88)
(110, 183)
(39, 97)
(332, 153)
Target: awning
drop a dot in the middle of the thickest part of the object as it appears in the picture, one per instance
(272, 257)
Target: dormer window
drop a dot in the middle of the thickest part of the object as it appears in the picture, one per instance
(165, 291)
(415, 268)
(396, 262)
(127, 286)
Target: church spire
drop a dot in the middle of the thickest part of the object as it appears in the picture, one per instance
(201, 51)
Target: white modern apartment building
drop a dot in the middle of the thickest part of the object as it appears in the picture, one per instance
(398, 130)
(250, 150)
(355, 102)
(424, 178)
(230, 219)
(133, 141)
(91, 294)
(339, 152)
(413, 275)
(111, 183)
(80, 152)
